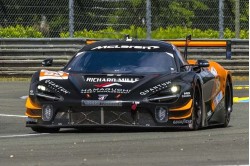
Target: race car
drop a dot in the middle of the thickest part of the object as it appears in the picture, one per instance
(131, 83)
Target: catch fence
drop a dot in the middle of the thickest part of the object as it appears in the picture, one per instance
(54, 17)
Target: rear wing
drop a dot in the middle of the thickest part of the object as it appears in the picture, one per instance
(89, 41)
(204, 43)
(194, 43)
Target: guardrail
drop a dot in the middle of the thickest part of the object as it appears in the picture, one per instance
(22, 57)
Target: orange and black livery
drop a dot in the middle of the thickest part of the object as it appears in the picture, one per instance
(132, 83)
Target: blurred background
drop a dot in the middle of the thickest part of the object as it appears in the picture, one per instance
(157, 19)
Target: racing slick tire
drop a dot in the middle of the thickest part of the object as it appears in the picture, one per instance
(228, 103)
(197, 109)
(45, 130)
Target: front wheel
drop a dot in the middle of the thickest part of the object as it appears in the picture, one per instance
(197, 109)
(45, 130)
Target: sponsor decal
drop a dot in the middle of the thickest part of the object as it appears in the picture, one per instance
(213, 71)
(183, 121)
(46, 74)
(218, 98)
(112, 75)
(209, 113)
(186, 94)
(204, 73)
(112, 79)
(31, 93)
(102, 97)
(106, 90)
(161, 114)
(101, 103)
(107, 84)
(125, 47)
(156, 88)
(55, 87)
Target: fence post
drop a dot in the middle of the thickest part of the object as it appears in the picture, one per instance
(221, 19)
(237, 19)
(71, 18)
(148, 18)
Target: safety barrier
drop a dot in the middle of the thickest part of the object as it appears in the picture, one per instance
(22, 57)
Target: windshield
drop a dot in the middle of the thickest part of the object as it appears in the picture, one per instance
(121, 62)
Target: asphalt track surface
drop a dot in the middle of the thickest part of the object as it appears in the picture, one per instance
(213, 146)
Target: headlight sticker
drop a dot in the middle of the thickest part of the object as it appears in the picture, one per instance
(156, 88)
(57, 88)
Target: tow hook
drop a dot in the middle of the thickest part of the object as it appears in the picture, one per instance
(134, 112)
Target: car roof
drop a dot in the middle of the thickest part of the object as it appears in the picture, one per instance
(129, 45)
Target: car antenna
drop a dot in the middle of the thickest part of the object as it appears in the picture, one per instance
(188, 39)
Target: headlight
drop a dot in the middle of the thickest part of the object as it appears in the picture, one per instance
(169, 91)
(44, 92)
(174, 89)
(41, 87)
(169, 94)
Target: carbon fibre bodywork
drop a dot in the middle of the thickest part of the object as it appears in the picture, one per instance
(75, 98)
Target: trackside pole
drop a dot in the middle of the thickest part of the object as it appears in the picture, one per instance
(148, 18)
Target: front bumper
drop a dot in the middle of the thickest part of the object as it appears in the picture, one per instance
(90, 113)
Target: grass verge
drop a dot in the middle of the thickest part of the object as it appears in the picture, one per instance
(15, 79)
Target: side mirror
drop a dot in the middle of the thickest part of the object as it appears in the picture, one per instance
(202, 63)
(47, 62)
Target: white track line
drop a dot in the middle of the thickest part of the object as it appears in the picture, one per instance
(233, 165)
(22, 135)
(23, 97)
(17, 116)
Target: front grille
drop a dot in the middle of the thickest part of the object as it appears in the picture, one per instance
(104, 117)
(118, 117)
